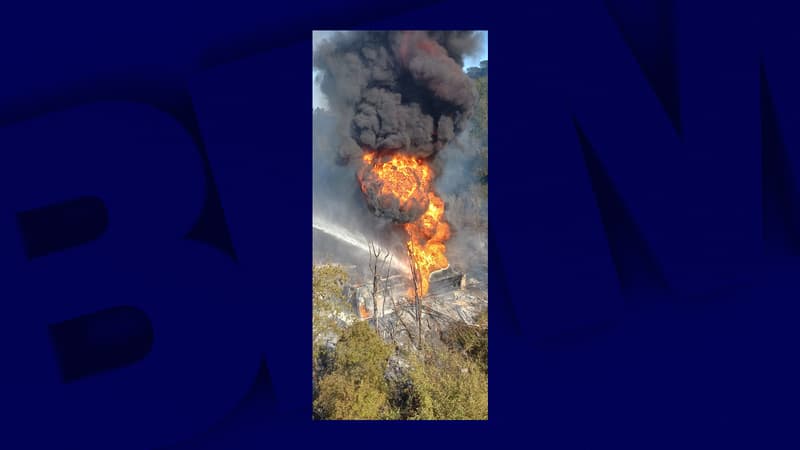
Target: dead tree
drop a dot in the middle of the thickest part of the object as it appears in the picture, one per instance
(378, 259)
(398, 313)
(387, 289)
(415, 283)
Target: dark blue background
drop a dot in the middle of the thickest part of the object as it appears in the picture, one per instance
(643, 242)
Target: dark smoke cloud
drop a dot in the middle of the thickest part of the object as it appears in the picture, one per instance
(397, 90)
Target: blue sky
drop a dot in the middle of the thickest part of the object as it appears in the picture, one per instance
(318, 98)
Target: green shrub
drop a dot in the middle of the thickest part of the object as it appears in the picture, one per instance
(356, 387)
(327, 283)
(343, 398)
(447, 386)
(471, 340)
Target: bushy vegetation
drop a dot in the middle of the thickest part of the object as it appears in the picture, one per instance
(470, 340)
(451, 383)
(445, 382)
(446, 385)
(327, 304)
(327, 283)
(355, 387)
(361, 354)
(343, 398)
(480, 120)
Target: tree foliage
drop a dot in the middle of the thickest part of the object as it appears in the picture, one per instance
(446, 382)
(327, 284)
(356, 387)
(343, 398)
(445, 385)
(362, 354)
(470, 340)
(480, 118)
(327, 297)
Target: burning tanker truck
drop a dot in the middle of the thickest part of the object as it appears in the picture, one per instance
(399, 97)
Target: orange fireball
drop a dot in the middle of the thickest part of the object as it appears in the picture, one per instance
(402, 185)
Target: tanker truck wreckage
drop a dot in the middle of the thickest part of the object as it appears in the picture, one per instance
(400, 313)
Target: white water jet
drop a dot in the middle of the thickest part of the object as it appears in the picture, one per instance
(358, 241)
(340, 234)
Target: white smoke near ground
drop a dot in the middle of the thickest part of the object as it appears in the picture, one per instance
(466, 205)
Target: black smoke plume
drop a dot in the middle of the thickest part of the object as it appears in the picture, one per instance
(401, 91)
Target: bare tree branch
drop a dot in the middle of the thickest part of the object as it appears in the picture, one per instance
(378, 262)
(399, 314)
(416, 280)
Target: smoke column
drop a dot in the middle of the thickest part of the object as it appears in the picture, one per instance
(396, 92)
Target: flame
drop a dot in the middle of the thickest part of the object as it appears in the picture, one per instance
(362, 311)
(409, 179)
(427, 241)
(402, 177)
